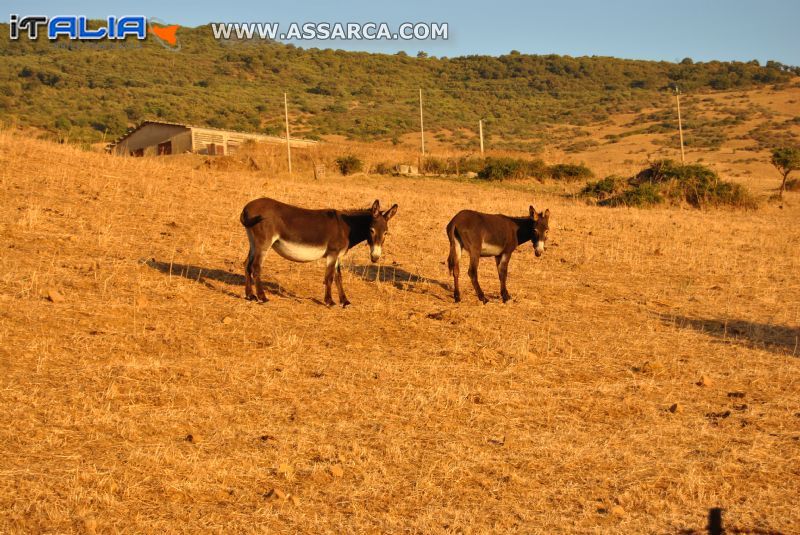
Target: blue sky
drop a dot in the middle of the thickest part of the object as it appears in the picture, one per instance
(663, 30)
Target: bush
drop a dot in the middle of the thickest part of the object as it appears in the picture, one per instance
(733, 194)
(666, 180)
(349, 164)
(434, 166)
(500, 169)
(62, 123)
(469, 165)
(570, 172)
(793, 184)
(605, 188)
(504, 168)
(640, 196)
(383, 168)
(694, 184)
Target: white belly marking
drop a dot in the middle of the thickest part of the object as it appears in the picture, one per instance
(488, 249)
(299, 252)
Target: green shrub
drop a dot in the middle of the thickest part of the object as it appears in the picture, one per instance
(570, 172)
(349, 164)
(639, 196)
(732, 194)
(62, 123)
(465, 164)
(605, 188)
(537, 169)
(505, 168)
(501, 169)
(694, 184)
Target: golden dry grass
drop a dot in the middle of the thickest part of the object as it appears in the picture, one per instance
(404, 412)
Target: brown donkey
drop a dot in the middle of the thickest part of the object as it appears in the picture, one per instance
(302, 235)
(492, 235)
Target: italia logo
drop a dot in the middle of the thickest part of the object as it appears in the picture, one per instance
(77, 28)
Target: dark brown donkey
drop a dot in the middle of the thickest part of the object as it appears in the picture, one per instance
(492, 235)
(302, 235)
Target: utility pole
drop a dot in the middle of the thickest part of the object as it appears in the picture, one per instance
(680, 125)
(421, 124)
(480, 132)
(288, 139)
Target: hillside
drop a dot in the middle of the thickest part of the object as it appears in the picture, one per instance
(87, 94)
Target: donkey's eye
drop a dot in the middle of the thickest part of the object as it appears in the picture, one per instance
(372, 231)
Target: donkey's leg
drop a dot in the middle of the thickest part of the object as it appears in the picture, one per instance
(474, 259)
(330, 269)
(454, 261)
(502, 271)
(258, 258)
(248, 268)
(342, 298)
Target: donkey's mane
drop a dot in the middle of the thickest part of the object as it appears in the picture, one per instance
(356, 211)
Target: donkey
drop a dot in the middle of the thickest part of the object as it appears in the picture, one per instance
(302, 235)
(492, 235)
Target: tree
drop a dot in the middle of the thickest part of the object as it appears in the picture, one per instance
(786, 160)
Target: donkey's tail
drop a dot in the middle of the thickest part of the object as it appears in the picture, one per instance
(455, 241)
(247, 221)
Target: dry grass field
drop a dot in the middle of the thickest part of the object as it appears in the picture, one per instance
(646, 371)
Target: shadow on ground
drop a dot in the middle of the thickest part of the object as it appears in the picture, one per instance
(715, 527)
(397, 276)
(776, 338)
(202, 275)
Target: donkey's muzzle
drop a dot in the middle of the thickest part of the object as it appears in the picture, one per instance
(375, 253)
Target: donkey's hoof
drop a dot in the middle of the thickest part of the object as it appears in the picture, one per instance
(251, 297)
(263, 298)
(506, 298)
(329, 303)
(345, 303)
(483, 300)
(457, 298)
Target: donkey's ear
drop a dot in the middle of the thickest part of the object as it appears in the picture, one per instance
(388, 214)
(533, 213)
(376, 208)
(547, 213)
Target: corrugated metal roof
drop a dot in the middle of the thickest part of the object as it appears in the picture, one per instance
(169, 123)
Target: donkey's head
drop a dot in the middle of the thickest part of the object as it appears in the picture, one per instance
(541, 228)
(378, 228)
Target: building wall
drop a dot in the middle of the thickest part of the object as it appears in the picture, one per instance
(182, 142)
(149, 136)
(192, 139)
(201, 137)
